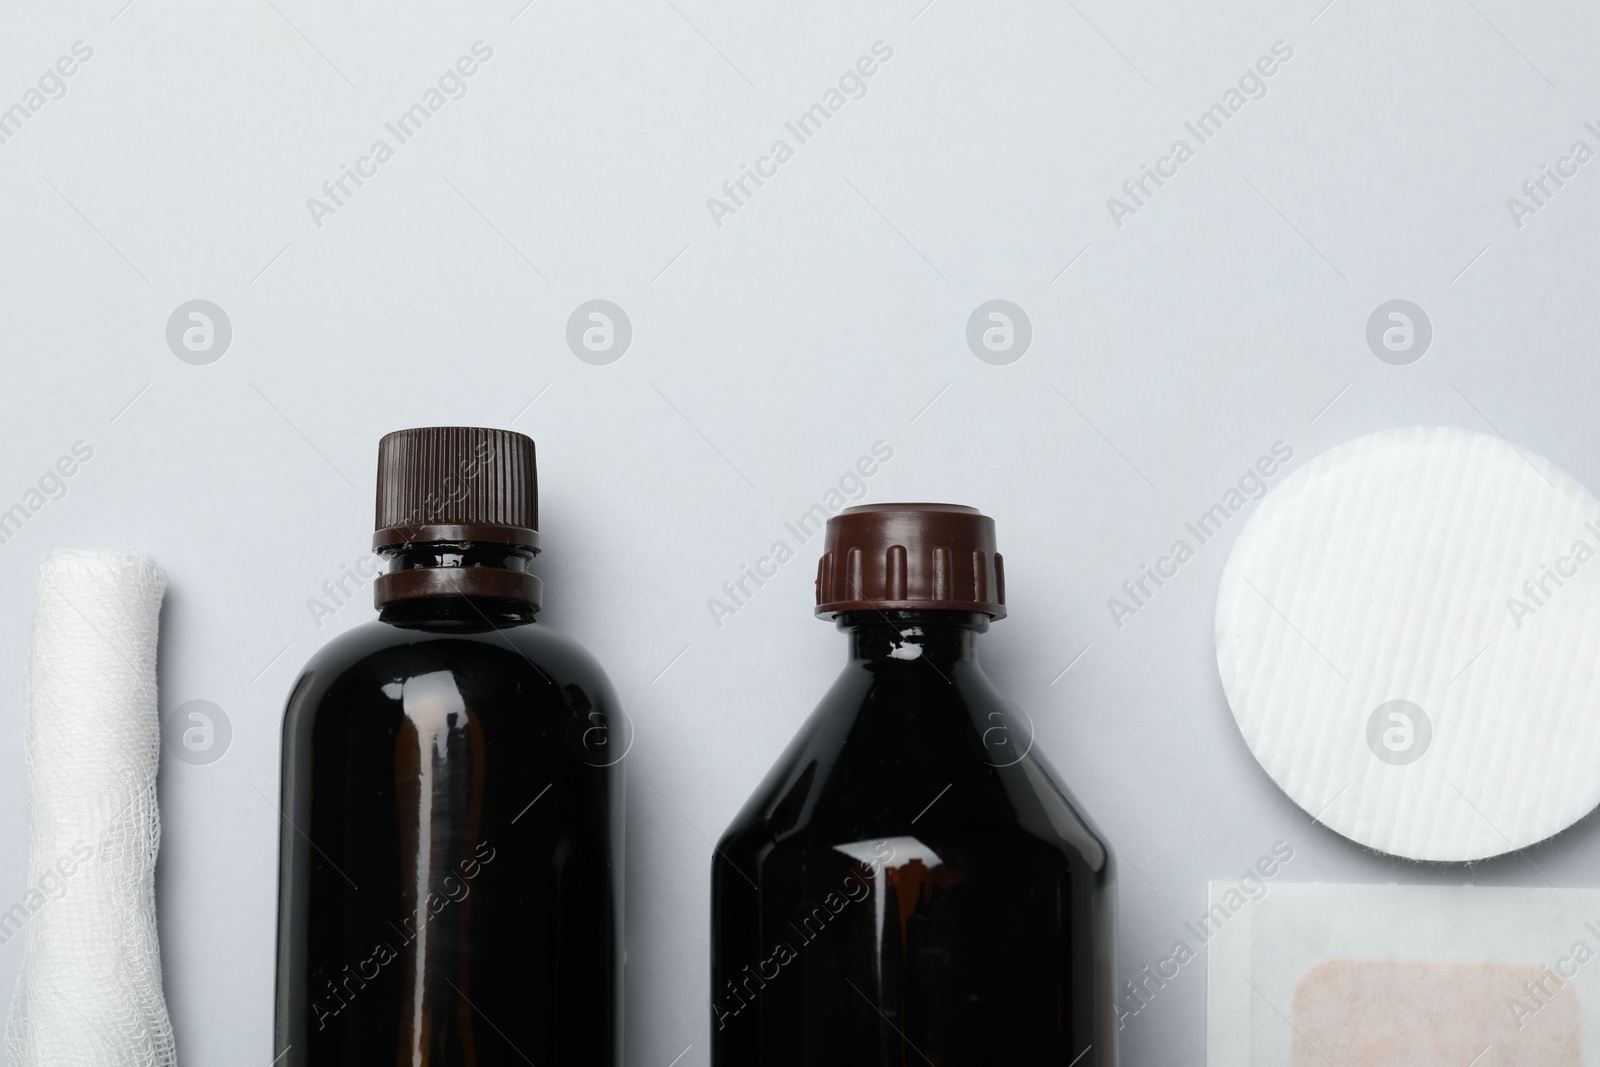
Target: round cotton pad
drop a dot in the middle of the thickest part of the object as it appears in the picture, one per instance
(1408, 632)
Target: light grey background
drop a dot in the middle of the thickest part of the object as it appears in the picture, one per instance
(829, 312)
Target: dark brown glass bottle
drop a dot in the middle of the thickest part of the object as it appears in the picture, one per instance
(909, 885)
(451, 856)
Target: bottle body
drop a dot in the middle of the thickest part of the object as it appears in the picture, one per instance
(910, 884)
(451, 857)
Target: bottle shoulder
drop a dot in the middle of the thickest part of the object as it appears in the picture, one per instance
(887, 754)
(378, 653)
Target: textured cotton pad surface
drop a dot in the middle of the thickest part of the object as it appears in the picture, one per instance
(1408, 633)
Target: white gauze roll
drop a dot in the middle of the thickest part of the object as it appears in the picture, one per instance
(90, 989)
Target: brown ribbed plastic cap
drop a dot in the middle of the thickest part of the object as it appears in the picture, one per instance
(917, 557)
(457, 483)
(464, 484)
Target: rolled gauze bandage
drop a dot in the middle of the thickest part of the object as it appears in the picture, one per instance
(90, 989)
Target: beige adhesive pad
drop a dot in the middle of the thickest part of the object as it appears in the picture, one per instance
(1408, 634)
(1373, 1013)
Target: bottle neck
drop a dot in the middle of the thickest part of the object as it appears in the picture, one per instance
(457, 582)
(942, 639)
